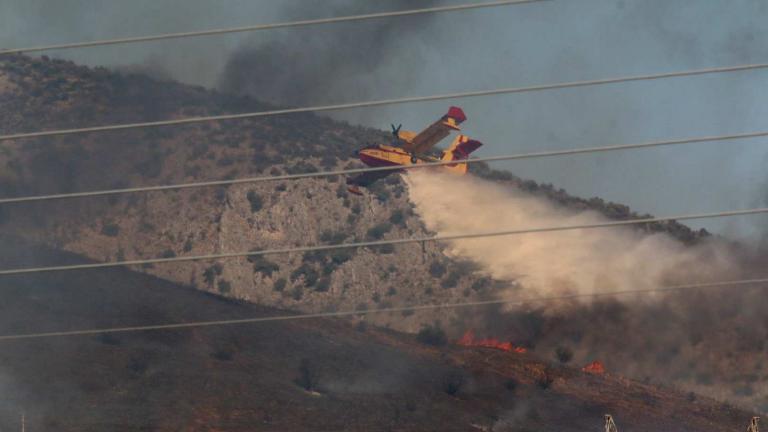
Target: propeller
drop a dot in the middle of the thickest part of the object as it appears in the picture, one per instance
(396, 130)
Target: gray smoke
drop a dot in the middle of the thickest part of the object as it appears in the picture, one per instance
(565, 262)
(345, 62)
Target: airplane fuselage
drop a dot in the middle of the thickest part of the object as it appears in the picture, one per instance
(387, 155)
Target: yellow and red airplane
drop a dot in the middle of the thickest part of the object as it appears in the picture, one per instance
(410, 148)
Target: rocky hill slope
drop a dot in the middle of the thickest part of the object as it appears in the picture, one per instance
(38, 94)
(301, 375)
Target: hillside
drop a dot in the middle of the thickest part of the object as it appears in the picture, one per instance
(672, 340)
(42, 94)
(254, 377)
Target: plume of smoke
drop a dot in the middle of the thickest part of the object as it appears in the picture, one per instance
(577, 261)
(319, 65)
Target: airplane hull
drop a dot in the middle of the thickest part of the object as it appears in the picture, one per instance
(381, 156)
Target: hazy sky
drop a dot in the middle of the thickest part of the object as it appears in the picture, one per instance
(556, 41)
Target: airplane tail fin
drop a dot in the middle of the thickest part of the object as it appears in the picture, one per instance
(459, 150)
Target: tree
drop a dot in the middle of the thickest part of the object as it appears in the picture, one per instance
(563, 354)
(308, 378)
(432, 335)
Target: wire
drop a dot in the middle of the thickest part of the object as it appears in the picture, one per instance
(386, 168)
(302, 23)
(518, 302)
(336, 107)
(381, 242)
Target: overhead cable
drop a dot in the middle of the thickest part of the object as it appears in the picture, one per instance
(508, 301)
(302, 249)
(548, 153)
(383, 102)
(257, 27)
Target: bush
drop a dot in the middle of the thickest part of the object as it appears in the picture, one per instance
(323, 284)
(361, 326)
(168, 253)
(110, 230)
(397, 217)
(453, 382)
(333, 237)
(256, 201)
(223, 354)
(138, 364)
(262, 265)
(340, 256)
(544, 380)
(384, 249)
(510, 384)
(378, 231)
(307, 272)
(108, 339)
(481, 284)
(279, 285)
(451, 280)
(437, 269)
(563, 354)
(308, 379)
(225, 287)
(297, 293)
(432, 335)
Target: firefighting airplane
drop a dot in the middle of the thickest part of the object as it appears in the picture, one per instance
(410, 148)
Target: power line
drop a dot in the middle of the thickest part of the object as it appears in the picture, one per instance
(375, 311)
(386, 168)
(381, 242)
(383, 102)
(257, 27)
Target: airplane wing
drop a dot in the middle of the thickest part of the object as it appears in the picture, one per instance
(438, 130)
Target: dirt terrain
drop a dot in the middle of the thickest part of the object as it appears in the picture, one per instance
(319, 374)
(713, 344)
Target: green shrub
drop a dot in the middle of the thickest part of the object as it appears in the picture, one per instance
(110, 230)
(432, 335)
(279, 285)
(308, 377)
(340, 256)
(563, 354)
(384, 249)
(377, 231)
(297, 293)
(307, 272)
(256, 201)
(262, 265)
(224, 287)
(451, 280)
(437, 269)
(397, 217)
(333, 237)
(323, 284)
(453, 382)
(510, 384)
(481, 284)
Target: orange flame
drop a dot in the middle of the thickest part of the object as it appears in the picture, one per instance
(468, 340)
(596, 367)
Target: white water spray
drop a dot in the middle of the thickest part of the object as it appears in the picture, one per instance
(578, 261)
